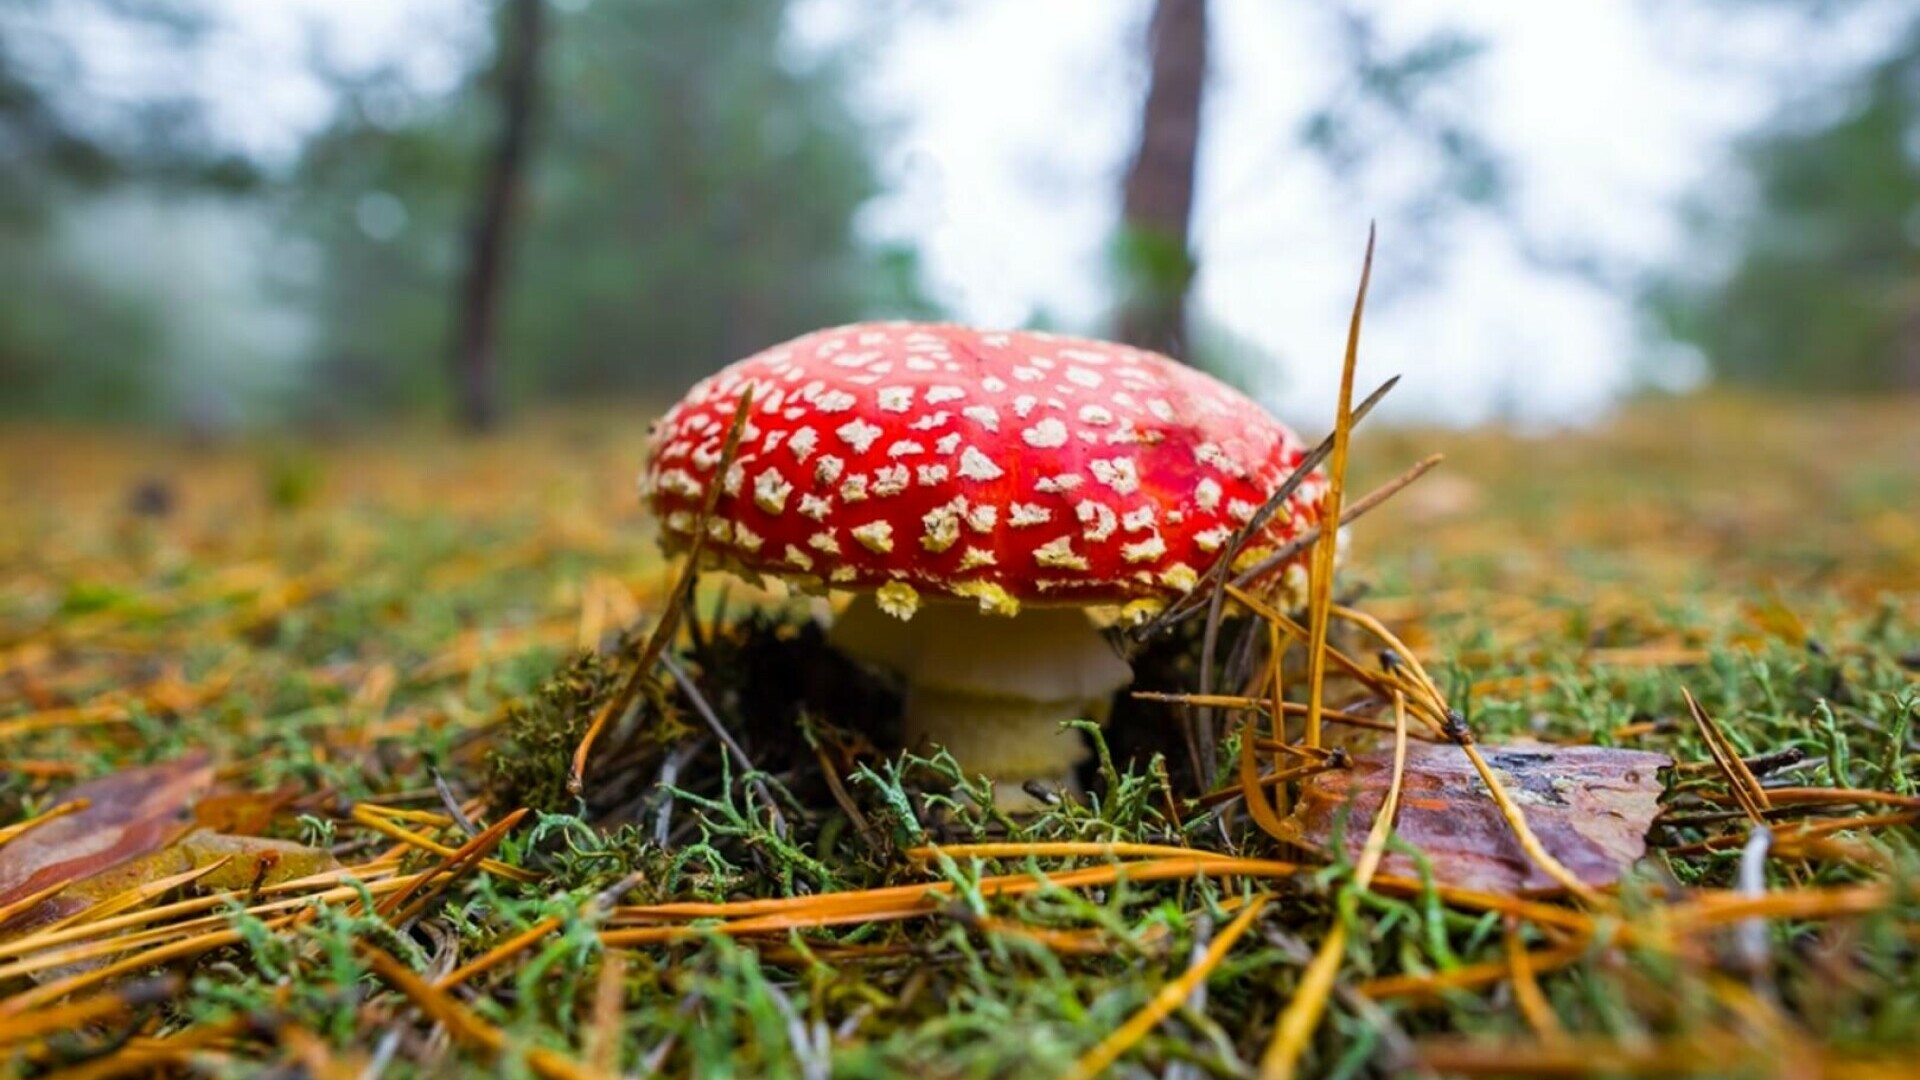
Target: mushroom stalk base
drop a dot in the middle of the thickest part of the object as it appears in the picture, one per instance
(1010, 740)
(993, 690)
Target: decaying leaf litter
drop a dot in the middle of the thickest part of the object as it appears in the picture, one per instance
(372, 641)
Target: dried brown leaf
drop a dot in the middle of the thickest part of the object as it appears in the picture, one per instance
(129, 814)
(243, 813)
(1589, 805)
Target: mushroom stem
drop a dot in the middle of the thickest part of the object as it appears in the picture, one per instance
(993, 690)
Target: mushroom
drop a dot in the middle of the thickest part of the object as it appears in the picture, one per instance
(982, 492)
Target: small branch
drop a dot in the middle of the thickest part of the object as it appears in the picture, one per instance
(663, 631)
(740, 758)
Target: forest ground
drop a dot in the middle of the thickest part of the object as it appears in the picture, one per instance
(339, 620)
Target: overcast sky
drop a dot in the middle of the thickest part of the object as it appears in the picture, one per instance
(1015, 120)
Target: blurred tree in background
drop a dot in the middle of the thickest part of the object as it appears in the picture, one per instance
(1808, 276)
(476, 347)
(614, 197)
(691, 196)
(1391, 98)
(1156, 202)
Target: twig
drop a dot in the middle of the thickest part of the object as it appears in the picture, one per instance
(601, 902)
(663, 631)
(1200, 595)
(13, 832)
(1327, 548)
(1360, 508)
(1309, 1002)
(1109, 1050)
(377, 819)
(1750, 936)
(463, 1023)
(452, 804)
(1526, 987)
(692, 690)
(1740, 780)
(670, 775)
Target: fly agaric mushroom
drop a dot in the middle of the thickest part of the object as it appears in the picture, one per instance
(979, 490)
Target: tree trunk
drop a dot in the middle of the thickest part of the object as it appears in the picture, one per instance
(1906, 364)
(1158, 199)
(476, 362)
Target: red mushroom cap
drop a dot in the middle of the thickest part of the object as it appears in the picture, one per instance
(1003, 467)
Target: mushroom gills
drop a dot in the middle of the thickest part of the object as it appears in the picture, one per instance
(992, 689)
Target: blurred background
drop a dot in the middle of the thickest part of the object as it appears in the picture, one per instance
(234, 215)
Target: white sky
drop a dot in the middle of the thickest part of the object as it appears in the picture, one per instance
(1014, 120)
(1020, 126)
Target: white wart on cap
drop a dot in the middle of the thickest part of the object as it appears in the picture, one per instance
(922, 461)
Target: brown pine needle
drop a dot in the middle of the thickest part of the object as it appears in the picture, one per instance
(1526, 988)
(1470, 976)
(1283, 776)
(1745, 786)
(42, 938)
(1327, 547)
(1110, 1049)
(1380, 681)
(1702, 1054)
(512, 946)
(1265, 814)
(453, 866)
(76, 1014)
(401, 813)
(12, 832)
(1377, 836)
(1780, 798)
(382, 825)
(500, 953)
(1057, 849)
(1277, 709)
(47, 993)
(773, 924)
(759, 916)
(1724, 908)
(464, 1024)
(609, 1004)
(37, 954)
(1302, 1016)
(145, 1056)
(1530, 843)
(1263, 705)
(1423, 683)
(64, 718)
(1311, 754)
(136, 896)
(663, 631)
(9, 912)
(1784, 835)
(1357, 510)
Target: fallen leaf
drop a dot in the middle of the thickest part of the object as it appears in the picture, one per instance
(244, 862)
(245, 813)
(1589, 805)
(129, 814)
(253, 861)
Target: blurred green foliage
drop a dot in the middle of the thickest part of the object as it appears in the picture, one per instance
(694, 192)
(1808, 277)
(70, 343)
(693, 197)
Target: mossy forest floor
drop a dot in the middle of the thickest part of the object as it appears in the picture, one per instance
(341, 623)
